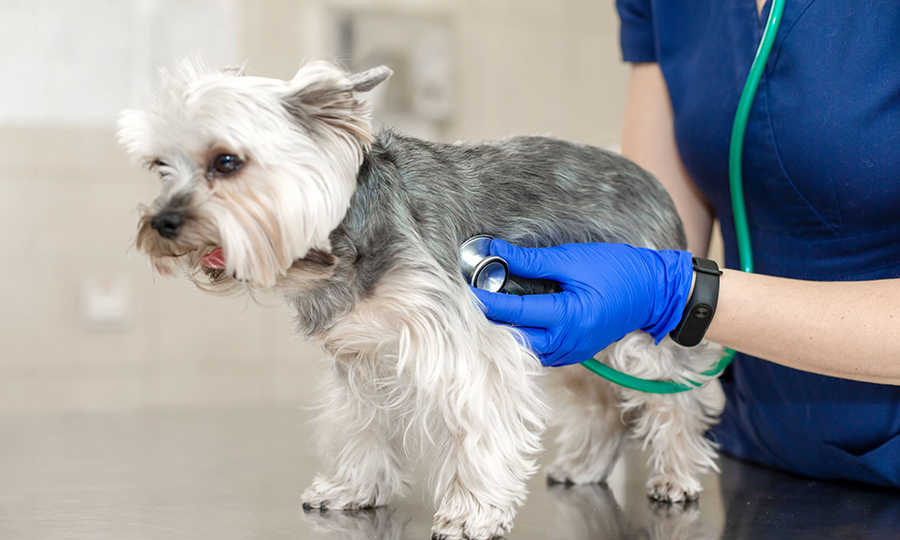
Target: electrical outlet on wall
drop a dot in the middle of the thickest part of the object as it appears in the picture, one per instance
(107, 303)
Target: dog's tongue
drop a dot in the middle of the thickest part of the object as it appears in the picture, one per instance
(215, 259)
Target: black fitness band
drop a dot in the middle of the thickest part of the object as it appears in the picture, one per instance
(701, 307)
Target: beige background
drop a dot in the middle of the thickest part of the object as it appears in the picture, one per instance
(68, 199)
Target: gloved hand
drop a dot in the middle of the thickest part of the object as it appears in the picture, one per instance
(609, 290)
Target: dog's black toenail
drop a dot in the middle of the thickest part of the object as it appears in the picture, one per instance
(307, 507)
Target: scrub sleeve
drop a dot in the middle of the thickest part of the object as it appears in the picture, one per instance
(821, 171)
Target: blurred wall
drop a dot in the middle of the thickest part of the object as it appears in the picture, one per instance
(84, 324)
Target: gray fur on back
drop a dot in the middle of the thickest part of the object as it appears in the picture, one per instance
(530, 191)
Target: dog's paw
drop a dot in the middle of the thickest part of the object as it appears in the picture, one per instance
(588, 465)
(325, 494)
(559, 477)
(441, 536)
(564, 472)
(468, 519)
(447, 530)
(576, 474)
(664, 510)
(668, 488)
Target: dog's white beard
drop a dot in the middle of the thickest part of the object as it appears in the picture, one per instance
(280, 211)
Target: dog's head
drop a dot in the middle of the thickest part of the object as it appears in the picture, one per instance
(256, 173)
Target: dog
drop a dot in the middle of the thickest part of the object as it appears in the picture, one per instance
(281, 187)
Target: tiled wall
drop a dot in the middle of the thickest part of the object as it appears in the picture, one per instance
(68, 199)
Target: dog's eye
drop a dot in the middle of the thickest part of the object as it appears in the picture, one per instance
(225, 164)
(160, 167)
(155, 164)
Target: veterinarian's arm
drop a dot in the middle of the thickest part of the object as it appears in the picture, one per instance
(842, 329)
(648, 139)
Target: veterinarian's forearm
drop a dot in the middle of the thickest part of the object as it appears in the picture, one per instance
(842, 329)
(648, 139)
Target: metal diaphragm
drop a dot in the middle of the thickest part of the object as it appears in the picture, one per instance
(481, 269)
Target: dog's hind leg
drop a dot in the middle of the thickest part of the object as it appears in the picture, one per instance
(368, 465)
(678, 451)
(674, 426)
(592, 432)
(671, 425)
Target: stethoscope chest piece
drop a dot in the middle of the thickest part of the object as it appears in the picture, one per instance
(481, 269)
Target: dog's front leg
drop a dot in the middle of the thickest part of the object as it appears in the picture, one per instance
(368, 467)
(492, 412)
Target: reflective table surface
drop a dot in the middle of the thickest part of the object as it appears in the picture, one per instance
(239, 473)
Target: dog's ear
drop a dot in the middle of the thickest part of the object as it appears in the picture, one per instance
(369, 79)
(321, 94)
(134, 135)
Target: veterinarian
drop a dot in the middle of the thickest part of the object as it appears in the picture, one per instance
(814, 389)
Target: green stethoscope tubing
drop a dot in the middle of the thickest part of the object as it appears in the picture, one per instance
(742, 230)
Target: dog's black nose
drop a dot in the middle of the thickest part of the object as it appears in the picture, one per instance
(167, 224)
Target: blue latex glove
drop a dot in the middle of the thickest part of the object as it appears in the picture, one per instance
(609, 291)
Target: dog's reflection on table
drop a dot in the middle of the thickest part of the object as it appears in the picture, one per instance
(591, 512)
(759, 504)
(586, 512)
(365, 524)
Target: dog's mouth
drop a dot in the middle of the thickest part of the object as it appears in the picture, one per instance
(215, 259)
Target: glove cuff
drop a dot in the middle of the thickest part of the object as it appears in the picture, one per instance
(672, 288)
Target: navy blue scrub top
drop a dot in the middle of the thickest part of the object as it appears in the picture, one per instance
(821, 173)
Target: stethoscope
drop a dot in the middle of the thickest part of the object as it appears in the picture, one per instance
(491, 273)
(481, 269)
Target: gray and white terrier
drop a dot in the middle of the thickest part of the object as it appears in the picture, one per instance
(282, 187)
